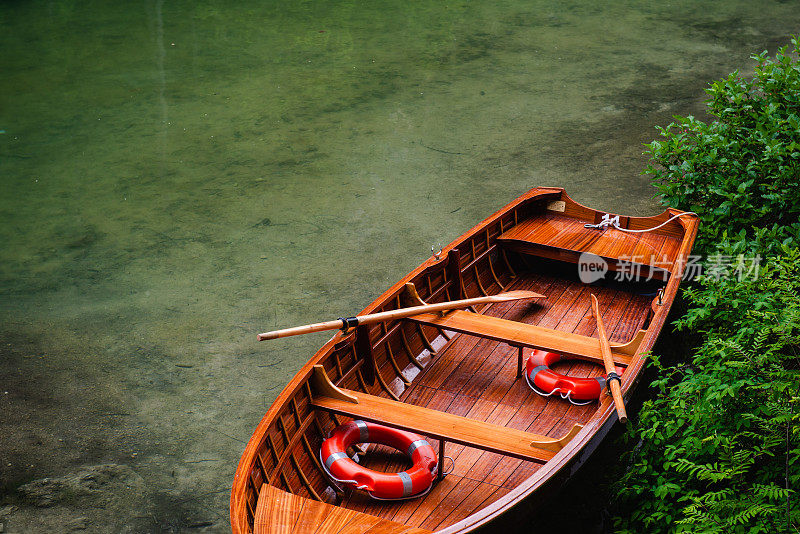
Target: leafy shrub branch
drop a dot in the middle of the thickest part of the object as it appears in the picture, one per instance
(718, 447)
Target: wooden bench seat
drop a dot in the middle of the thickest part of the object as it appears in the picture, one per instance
(525, 335)
(434, 423)
(280, 512)
(559, 234)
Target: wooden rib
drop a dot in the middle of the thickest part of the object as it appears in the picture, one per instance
(475, 268)
(360, 378)
(336, 420)
(431, 297)
(296, 411)
(251, 511)
(413, 296)
(319, 427)
(412, 357)
(407, 347)
(339, 364)
(476, 259)
(446, 284)
(310, 449)
(282, 427)
(293, 442)
(384, 385)
(508, 264)
(363, 346)
(491, 266)
(272, 448)
(262, 467)
(395, 366)
(425, 341)
(387, 332)
(279, 471)
(303, 477)
(353, 368)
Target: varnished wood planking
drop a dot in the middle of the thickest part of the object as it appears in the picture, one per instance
(335, 521)
(311, 516)
(495, 355)
(446, 495)
(277, 511)
(449, 503)
(280, 512)
(476, 499)
(561, 232)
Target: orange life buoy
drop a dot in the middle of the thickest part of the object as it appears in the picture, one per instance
(410, 483)
(543, 380)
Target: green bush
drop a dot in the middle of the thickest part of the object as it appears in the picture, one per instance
(718, 447)
(740, 171)
(720, 436)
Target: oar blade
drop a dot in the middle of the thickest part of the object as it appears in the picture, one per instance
(518, 294)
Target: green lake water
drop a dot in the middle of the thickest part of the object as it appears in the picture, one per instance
(178, 176)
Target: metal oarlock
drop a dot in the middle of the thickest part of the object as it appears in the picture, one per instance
(436, 255)
(452, 467)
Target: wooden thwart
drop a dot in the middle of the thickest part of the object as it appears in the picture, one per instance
(440, 425)
(526, 335)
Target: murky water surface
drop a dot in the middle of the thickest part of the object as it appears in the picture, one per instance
(177, 176)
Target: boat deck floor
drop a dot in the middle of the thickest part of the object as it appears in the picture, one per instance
(476, 378)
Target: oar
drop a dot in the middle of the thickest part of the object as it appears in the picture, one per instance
(612, 378)
(373, 318)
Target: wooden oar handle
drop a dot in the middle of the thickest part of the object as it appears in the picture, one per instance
(608, 362)
(401, 313)
(305, 329)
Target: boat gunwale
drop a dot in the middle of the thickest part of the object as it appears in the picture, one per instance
(238, 513)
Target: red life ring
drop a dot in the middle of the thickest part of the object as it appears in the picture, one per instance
(543, 380)
(410, 483)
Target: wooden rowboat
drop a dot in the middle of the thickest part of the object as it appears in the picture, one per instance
(457, 377)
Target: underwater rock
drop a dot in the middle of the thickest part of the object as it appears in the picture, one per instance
(88, 484)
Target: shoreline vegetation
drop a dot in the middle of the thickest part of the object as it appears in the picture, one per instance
(717, 446)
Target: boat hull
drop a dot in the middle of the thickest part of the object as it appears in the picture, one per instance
(463, 364)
